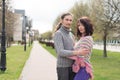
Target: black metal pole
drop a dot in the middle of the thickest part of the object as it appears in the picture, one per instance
(25, 41)
(3, 40)
(24, 33)
(29, 40)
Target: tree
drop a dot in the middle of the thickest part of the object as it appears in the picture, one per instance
(107, 14)
(9, 22)
(10, 18)
(56, 22)
(47, 35)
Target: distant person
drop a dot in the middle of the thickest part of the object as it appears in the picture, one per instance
(82, 66)
(64, 46)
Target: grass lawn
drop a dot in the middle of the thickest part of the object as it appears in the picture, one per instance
(16, 58)
(104, 68)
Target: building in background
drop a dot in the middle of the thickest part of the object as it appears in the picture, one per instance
(35, 34)
(17, 34)
(19, 28)
(22, 26)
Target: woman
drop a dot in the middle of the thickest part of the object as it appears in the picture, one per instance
(64, 46)
(82, 64)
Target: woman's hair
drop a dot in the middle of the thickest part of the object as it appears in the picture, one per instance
(86, 22)
(62, 17)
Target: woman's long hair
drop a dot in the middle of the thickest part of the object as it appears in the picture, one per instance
(58, 26)
(86, 22)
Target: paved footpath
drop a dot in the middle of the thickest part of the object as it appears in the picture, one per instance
(41, 65)
(108, 47)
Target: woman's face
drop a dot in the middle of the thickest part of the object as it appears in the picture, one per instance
(67, 21)
(81, 28)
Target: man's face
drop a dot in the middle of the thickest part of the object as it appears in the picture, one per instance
(67, 21)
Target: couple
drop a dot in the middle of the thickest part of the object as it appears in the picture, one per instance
(73, 58)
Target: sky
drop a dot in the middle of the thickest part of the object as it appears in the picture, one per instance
(43, 12)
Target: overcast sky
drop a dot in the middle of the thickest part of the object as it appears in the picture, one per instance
(43, 12)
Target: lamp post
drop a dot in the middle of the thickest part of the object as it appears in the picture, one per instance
(3, 40)
(25, 30)
(25, 41)
(30, 35)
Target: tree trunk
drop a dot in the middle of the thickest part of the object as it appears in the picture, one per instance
(104, 42)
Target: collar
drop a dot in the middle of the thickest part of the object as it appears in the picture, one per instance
(64, 29)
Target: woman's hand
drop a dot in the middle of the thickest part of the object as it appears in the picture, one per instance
(82, 52)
